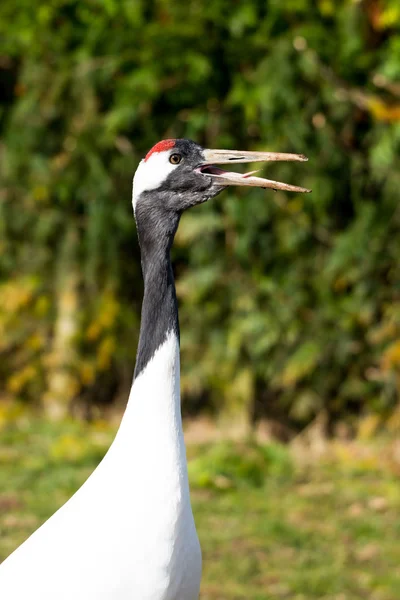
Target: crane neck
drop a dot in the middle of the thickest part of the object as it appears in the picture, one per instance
(159, 315)
(151, 432)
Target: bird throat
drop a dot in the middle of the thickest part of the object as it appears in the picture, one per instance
(159, 316)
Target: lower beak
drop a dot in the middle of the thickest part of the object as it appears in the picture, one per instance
(223, 177)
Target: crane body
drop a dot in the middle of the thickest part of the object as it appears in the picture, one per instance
(128, 533)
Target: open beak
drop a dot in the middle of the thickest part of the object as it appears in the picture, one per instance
(223, 177)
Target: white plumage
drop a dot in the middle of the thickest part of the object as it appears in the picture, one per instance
(128, 533)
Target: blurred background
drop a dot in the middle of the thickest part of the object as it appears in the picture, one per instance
(289, 305)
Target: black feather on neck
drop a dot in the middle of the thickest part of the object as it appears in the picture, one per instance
(156, 230)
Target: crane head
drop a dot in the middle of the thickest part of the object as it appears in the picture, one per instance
(178, 173)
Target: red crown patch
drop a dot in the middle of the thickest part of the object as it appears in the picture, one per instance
(160, 147)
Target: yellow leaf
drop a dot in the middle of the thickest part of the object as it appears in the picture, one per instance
(93, 331)
(87, 373)
(391, 356)
(384, 112)
(18, 380)
(35, 342)
(68, 447)
(105, 352)
(368, 426)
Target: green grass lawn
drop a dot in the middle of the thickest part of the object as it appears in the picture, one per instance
(268, 528)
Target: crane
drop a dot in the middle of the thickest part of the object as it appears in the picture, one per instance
(128, 533)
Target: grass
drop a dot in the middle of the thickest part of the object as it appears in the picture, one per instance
(269, 529)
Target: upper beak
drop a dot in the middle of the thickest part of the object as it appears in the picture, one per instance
(223, 178)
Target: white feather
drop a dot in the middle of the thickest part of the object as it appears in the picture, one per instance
(128, 533)
(151, 173)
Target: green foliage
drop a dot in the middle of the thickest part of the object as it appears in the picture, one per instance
(289, 305)
(235, 465)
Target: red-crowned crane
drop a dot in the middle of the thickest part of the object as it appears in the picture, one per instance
(128, 533)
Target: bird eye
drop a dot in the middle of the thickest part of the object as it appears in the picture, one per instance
(175, 159)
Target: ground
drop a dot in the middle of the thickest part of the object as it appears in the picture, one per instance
(269, 528)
